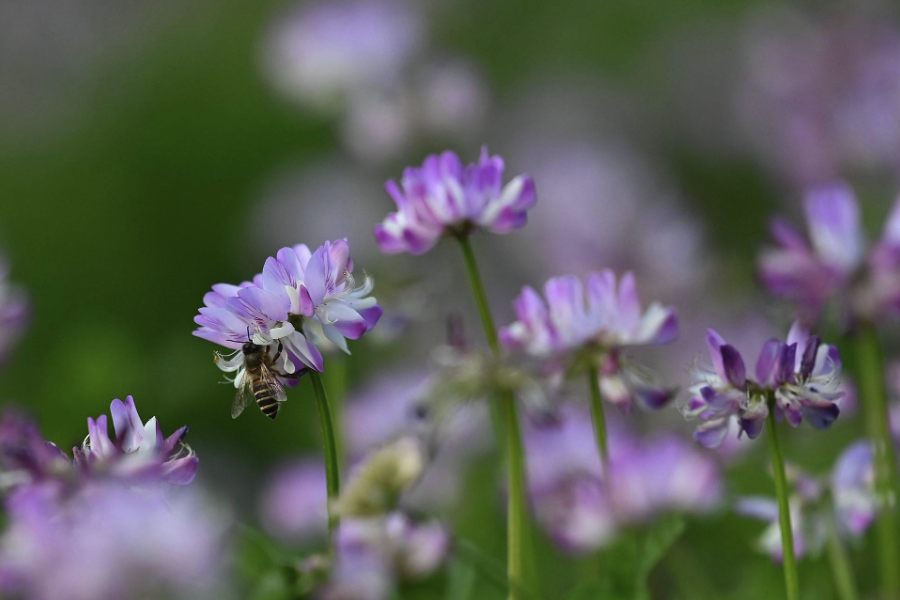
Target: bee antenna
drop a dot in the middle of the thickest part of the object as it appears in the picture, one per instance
(248, 334)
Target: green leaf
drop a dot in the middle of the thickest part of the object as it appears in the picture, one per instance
(629, 562)
(658, 540)
(460, 580)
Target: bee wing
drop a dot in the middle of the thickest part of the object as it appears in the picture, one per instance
(266, 376)
(243, 397)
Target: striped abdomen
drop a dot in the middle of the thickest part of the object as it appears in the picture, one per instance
(265, 398)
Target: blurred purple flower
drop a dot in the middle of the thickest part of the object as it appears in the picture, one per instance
(321, 53)
(375, 555)
(819, 95)
(15, 312)
(137, 451)
(443, 197)
(850, 503)
(293, 504)
(25, 456)
(138, 454)
(835, 264)
(853, 489)
(395, 404)
(109, 542)
(606, 320)
(301, 300)
(802, 375)
(648, 478)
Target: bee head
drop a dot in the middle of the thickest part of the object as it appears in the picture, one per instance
(250, 348)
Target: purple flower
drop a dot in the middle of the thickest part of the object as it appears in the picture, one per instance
(647, 478)
(137, 451)
(301, 300)
(319, 53)
(26, 457)
(604, 320)
(852, 504)
(443, 197)
(835, 263)
(766, 509)
(817, 95)
(15, 312)
(853, 489)
(375, 555)
(802, 375)
(109, 542)
(293, 504)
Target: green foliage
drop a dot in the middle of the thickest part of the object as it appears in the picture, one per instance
(628, 563)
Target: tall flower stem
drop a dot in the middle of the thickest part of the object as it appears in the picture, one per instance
(874, 400)
(599, 419)
(335, 381)
(515, 455)
(841, 571)
(791, 580)
(332, 477)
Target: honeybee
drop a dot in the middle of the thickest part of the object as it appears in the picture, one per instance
(259, 380)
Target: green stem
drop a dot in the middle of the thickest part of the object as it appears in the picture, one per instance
(844, 581)
(791, 580)
(488, 568)
(332, 477)
(515, 455)
(335, 381)
(484, 310)
(874, 401)
(599, 419)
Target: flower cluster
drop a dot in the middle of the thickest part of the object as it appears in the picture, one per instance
(376, 554)
(101, 527)
(378, 547)
(109, 542)
(798, 378)
(835, 264)
(443, 197)
(138, 454)
(599, 320)
(369, 65)
(846, 501)
(301, 300)
(583, 508)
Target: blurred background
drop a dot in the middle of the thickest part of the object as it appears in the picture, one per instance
(151, 149)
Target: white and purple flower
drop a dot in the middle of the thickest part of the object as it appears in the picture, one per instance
(800, 376)
(444, 197)
(138, 454)
(600, 319)
(847, 500)
(835, 263)
(138, 451)
(301, 300)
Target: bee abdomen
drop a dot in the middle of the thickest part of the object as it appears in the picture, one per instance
(265, 399)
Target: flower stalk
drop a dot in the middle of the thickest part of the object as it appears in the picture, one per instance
(510, 421)
(841, 570)
(791, 579)
(332, 476)
(874, 400)
(599, 419)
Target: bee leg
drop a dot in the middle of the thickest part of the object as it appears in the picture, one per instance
(296, 375)
(278, 352)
